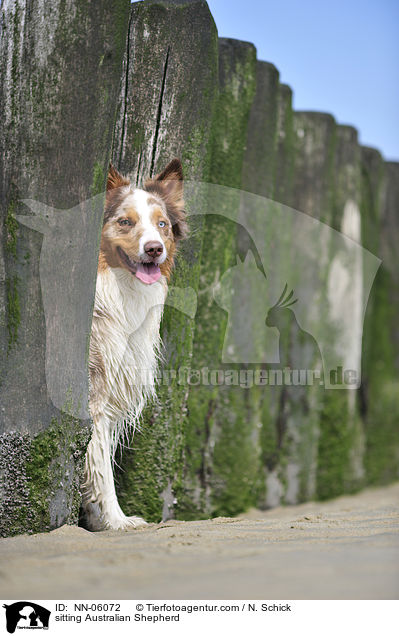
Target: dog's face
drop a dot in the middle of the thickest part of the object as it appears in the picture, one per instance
(142, 226)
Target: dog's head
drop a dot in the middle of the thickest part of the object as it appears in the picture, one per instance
(143, 226)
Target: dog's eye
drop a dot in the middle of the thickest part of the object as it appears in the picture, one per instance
(161, 223)
(124, 222)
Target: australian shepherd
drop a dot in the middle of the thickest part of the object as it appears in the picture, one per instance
(141, 230)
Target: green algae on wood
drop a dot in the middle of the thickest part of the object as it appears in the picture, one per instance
(259, 177)
(378, 395)
(221, 459)
(167, 98)
(312, 192)
(40, 477)
(202, 450)
(58, 104)
(13, 312)
(340, 466)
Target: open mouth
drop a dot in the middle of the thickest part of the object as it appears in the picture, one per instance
(148, 273)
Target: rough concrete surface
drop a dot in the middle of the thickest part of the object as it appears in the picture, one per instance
(347, 548)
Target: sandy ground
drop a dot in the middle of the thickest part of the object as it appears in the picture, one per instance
(343, 549)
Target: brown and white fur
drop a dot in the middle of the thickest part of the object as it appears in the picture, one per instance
(141, 230)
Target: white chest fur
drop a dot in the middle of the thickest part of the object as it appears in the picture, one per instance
(125, 336)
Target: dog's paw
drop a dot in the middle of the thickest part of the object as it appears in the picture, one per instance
(124, 523)
(97, 518)
(137, 522)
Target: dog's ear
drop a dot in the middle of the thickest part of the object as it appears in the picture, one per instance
(168, 185)
(172, 178)
(115, 180)
(114, 194)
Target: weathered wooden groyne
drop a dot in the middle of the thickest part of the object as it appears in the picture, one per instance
(150, 82)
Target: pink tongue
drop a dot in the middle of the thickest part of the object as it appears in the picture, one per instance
(148, 273)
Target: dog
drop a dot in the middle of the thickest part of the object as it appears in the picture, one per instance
(141, 231)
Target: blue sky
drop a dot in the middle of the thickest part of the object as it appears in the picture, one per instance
(338, 57)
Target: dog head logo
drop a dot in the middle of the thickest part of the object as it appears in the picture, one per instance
(26, 615)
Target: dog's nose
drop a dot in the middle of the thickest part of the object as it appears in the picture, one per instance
(153, 248)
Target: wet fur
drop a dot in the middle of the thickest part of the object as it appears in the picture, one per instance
(125, 341)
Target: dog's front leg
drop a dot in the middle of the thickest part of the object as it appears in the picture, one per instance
(100, 503)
